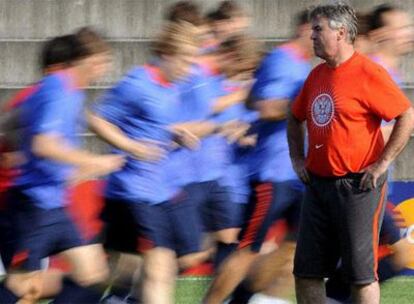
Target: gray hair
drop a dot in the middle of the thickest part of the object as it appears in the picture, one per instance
(338, 15)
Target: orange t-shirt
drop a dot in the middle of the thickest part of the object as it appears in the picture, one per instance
(343, 108)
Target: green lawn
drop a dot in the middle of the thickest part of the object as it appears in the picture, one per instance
(397, 291)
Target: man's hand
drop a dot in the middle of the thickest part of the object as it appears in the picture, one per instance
(301, 171)
(146, 150)
(248, 141)
(234, 130)
(186, 138)
(371, 174)
(99, 166)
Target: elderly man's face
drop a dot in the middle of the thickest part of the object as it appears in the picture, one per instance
(326, 41)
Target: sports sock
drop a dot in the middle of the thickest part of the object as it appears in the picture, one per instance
(223, 251)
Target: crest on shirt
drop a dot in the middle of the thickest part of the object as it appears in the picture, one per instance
(322, 110)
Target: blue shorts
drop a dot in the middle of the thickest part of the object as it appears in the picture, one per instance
(268, 203)
(135, 227)
(217, 210)
(38, 233)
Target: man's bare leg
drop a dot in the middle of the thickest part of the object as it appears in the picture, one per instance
(229, 275)
(366, 294)
(310, 291)
(160, 270)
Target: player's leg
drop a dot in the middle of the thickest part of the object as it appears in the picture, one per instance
(225, 220)
(89, 270)
(184, 212)
(271, 273)
(160, 261)
(160, 270)
(258, 218)
(317, 251)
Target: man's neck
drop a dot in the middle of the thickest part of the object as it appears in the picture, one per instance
(343, 54)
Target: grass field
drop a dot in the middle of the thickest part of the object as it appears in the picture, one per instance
(397, 291)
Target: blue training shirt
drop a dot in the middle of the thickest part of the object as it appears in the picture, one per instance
(193, 105)
(232, 167)
(143, 107)
(280, 76)
(54, 109)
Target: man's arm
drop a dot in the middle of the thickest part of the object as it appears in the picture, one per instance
(273, 110)
(296, 139)
(399, 137)
(115, 137)
(53, 147)
(225, 102)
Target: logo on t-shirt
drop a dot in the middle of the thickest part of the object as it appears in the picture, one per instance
(322, 110)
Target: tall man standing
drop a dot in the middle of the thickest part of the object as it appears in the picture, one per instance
(343, 102)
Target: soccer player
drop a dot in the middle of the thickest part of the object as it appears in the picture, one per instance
(345, 186)
(391, 33)
(201, 172)
(49, 120)
(228, 19)
(275, 187)
(57, 54)
(135, 117)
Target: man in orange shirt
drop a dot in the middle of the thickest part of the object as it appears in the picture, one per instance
(343, 102)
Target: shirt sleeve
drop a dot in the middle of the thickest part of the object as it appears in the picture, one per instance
(383, 96)
(113, 106)
(50, 112)
(274, 80)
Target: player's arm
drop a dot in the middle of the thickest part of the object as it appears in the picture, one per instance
(273, 90)
(199, 128)
(54, 147)
(194, 130)
(225, 102)
(273, 110)
(111, 134)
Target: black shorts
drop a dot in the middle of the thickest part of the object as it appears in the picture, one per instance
(136, 227)
(340, 222)
(216, 208)
(38, 233)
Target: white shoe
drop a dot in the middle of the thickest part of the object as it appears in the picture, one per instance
(332, 301)
(260, 298)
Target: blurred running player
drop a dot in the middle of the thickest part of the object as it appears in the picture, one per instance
(57, 54)
(363, 43)
(391, 32)
(275, 186)
(49, 128)
(228, 19)
(135, 117)
(201, 172)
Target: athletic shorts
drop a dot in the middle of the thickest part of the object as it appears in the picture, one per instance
(340, 222)
(268, 203)
(136, 227)
(218, 211)
(38, 233)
